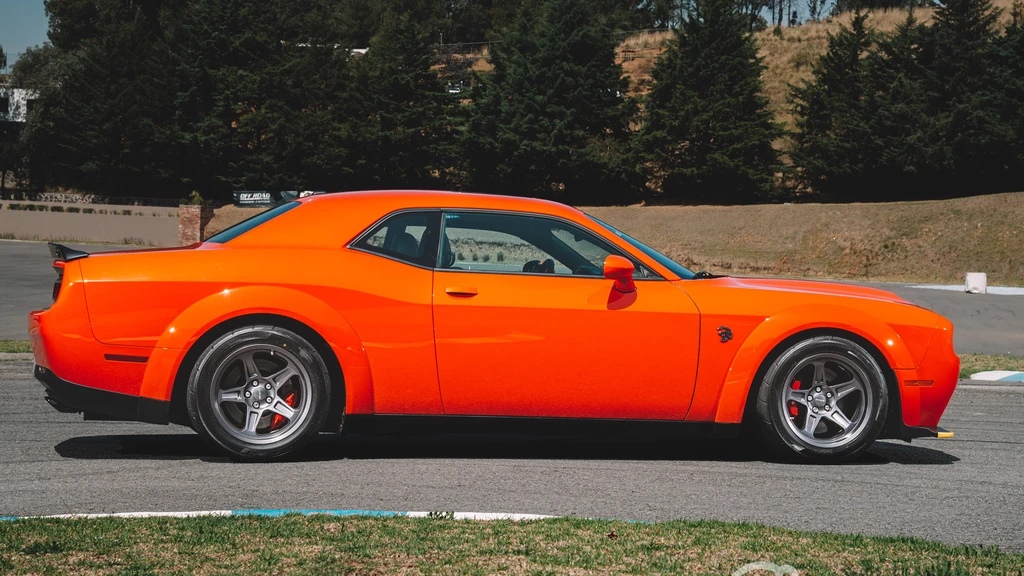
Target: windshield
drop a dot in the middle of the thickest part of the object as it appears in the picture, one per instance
(660, 258)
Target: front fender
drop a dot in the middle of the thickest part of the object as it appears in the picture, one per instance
(205, 314)
(770, 333)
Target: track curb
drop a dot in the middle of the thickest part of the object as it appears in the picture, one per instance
(485, 516)
(1004, 376)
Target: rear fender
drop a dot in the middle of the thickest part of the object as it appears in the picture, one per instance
(198, 319)
(775, 329)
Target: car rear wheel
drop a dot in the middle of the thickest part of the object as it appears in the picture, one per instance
(259, 392)
(823, 399)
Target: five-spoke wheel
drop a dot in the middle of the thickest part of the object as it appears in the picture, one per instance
(259, 392)
(823, 398)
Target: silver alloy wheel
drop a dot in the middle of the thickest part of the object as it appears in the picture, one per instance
(253, 385)
(826, 402)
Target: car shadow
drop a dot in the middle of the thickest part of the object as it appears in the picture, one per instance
(330, 447)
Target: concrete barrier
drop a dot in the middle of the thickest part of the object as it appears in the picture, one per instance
(976, 283)
(141, 225)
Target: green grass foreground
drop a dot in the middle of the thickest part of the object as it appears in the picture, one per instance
(8, 346)
(974, 363)
(331, 544)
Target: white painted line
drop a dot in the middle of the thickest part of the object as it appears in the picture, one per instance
(1001, 290)
(484, 516)
(999, 375)
(141, 514)
(1000, 389)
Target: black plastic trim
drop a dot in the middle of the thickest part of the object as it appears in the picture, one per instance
(126, 358)
(352, 244)
(908, 433)
(99, 404)
(531, 426)
(62, 252)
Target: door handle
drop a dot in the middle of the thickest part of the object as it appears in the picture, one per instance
(460, 291)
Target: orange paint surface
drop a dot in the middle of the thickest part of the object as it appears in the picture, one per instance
(414, 340)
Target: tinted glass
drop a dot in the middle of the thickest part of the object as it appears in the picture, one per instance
(410, 237)
(493, 242)
(672, 265)
(246, 225)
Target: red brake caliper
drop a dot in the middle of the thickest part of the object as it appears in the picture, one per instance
(278, 420)
(793, 411)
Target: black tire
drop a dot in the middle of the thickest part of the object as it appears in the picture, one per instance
(800, 415)
(235, 424)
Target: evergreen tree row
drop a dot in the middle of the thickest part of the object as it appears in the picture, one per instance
(163, 98)
(924, 112)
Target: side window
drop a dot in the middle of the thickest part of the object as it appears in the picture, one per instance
(511, 243)
(409, 236)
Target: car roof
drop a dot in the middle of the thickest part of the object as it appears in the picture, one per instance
(400, 199)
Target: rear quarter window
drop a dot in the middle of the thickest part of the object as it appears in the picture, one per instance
(246, 225)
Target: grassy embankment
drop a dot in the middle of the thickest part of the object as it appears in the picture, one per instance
(788, 57)
(930, 241)
(974, 363)
(330, 545)
(15, 346)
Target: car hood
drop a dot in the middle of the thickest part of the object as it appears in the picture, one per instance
(810, 287)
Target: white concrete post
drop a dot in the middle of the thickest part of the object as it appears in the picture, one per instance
(976, 283)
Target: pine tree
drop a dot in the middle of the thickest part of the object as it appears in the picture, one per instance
(708, 132)
(963, 97)
(900, 121)
(834, 143)
(552, 120)
(1006, 75)
(104, 129)
(405, 111)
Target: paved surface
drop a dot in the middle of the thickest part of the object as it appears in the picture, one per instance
(26, 282)
(985, 323)
(982, 323)
(969, 489)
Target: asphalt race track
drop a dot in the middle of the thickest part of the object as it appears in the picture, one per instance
(969, 489)
(984, 323)
(966, 490)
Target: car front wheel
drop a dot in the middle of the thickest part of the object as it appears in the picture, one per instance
(259, 392)
(823, 399)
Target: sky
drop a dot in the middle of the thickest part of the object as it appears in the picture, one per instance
(22, 24)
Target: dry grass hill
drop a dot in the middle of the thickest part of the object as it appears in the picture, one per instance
(788, 57)
(930, 241)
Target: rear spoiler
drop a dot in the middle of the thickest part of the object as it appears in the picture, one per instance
(62, 255)
(65, 254)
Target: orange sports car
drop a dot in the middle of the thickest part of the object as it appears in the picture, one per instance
(414, 311)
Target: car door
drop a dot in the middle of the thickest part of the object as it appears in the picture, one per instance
(392, 310)
(525, 324)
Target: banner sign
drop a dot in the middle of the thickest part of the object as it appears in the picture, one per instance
(266, 199)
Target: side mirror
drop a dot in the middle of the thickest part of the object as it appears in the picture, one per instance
(621, 270)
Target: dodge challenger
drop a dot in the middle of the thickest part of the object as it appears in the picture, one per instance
(413, 311)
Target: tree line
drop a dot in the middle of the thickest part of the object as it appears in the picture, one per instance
(163, 98)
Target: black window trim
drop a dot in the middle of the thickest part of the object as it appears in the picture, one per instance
(352, 244)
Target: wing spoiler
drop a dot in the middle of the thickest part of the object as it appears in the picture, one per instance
(65, 254)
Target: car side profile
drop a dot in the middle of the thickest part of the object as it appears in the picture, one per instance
(410, 310)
